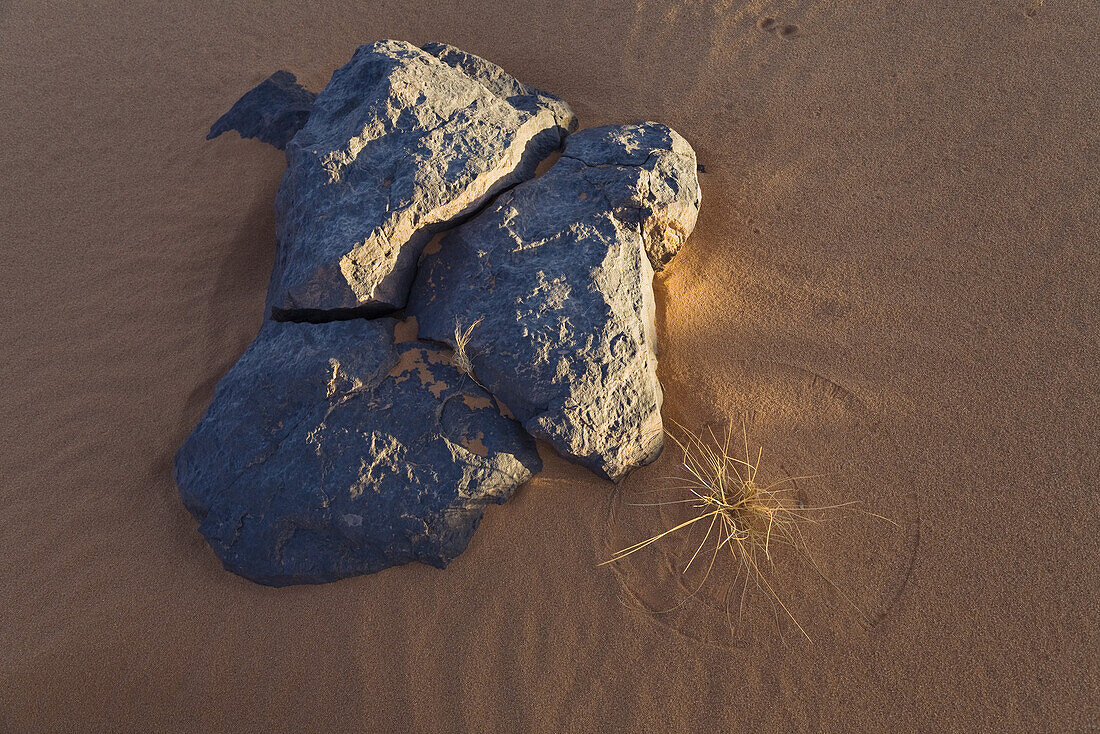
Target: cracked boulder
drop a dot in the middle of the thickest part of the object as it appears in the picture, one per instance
(273, 111)
(402, 143)
(330, 451)
(550, 289)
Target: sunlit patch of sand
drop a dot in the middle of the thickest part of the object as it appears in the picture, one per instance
(415, 361)
(405, 330)
(474, 402)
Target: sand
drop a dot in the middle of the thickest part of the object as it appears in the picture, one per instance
(893, 281)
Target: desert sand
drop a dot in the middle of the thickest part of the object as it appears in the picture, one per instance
(892, 283)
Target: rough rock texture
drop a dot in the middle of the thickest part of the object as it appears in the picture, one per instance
(402, 142)
(273, 111)
(556, 277)
(329, 451)
(649, 178)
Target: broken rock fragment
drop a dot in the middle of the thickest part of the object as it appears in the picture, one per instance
(273, 111)
(552, 284)
(401, 143)
(328, 451)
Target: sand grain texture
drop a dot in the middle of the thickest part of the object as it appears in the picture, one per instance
(900, 203)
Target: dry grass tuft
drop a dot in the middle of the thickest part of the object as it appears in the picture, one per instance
(749, 520)
(461, 358)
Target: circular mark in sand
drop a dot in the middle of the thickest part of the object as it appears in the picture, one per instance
(826, 445)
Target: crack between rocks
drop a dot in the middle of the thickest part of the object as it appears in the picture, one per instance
(371, 312)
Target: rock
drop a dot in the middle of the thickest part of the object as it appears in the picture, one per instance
(328, 451)
(648, 176)
(273, 111)
(402, 143)
(553, 285)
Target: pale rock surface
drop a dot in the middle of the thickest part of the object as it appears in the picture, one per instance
(553, 283)
(401, 143)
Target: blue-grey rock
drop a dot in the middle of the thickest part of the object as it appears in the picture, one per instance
(273, 111)
(552, 286)
(402, 143)
(328, 451)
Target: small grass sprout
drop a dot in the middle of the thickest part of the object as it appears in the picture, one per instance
(462, 340)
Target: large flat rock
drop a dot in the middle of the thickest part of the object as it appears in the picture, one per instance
(400, 144)
(553, 283)
(328, 451)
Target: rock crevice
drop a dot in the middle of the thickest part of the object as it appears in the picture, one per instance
(399, 145)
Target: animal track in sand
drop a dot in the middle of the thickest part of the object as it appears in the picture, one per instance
(783, 30)
(829, 448)
(1032, 8)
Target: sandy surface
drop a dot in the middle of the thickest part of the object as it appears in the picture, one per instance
(893, 281)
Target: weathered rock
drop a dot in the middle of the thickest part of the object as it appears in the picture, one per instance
(649, 178)
(273, 111)
(554, 285)
(329, 451)
(402, 142)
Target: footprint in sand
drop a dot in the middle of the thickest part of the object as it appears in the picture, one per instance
(783, 30)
